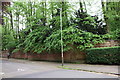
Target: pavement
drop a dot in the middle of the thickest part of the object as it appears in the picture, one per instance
(43, 69)
(107, 69)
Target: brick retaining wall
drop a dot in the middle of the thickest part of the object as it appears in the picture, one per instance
(69, 56)
(4, 54)
(109, 43)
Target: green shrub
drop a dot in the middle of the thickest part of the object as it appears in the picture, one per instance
(8, 39)
(106, 55)
(15, 50)
(115, 34)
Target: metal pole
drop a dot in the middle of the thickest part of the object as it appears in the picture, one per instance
(62, 56)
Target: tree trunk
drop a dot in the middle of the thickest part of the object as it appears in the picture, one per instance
(105, 9)
(11, 19)
(81, 6)
(85, 6)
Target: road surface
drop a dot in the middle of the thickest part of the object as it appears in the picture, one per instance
(30, 69)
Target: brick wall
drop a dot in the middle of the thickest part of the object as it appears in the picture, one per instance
(109, 43)
(4, 54)
(68, 56)
(3, 4)
(74, 55)
(19, 55)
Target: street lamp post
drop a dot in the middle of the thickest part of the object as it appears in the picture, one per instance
(62, 56)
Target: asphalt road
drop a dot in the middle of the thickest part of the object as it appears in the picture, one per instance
(12, 69)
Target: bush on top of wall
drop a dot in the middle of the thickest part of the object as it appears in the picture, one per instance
(105, 55)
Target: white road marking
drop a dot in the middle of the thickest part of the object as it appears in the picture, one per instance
(20, 70)
(2, 73)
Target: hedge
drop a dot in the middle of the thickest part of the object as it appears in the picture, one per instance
(105, 55)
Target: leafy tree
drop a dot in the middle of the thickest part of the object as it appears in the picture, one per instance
(55, 8)
(112, 15)
(42, 28)
(88, 23)
(72, 36)
(39, 41)
(34, 42)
